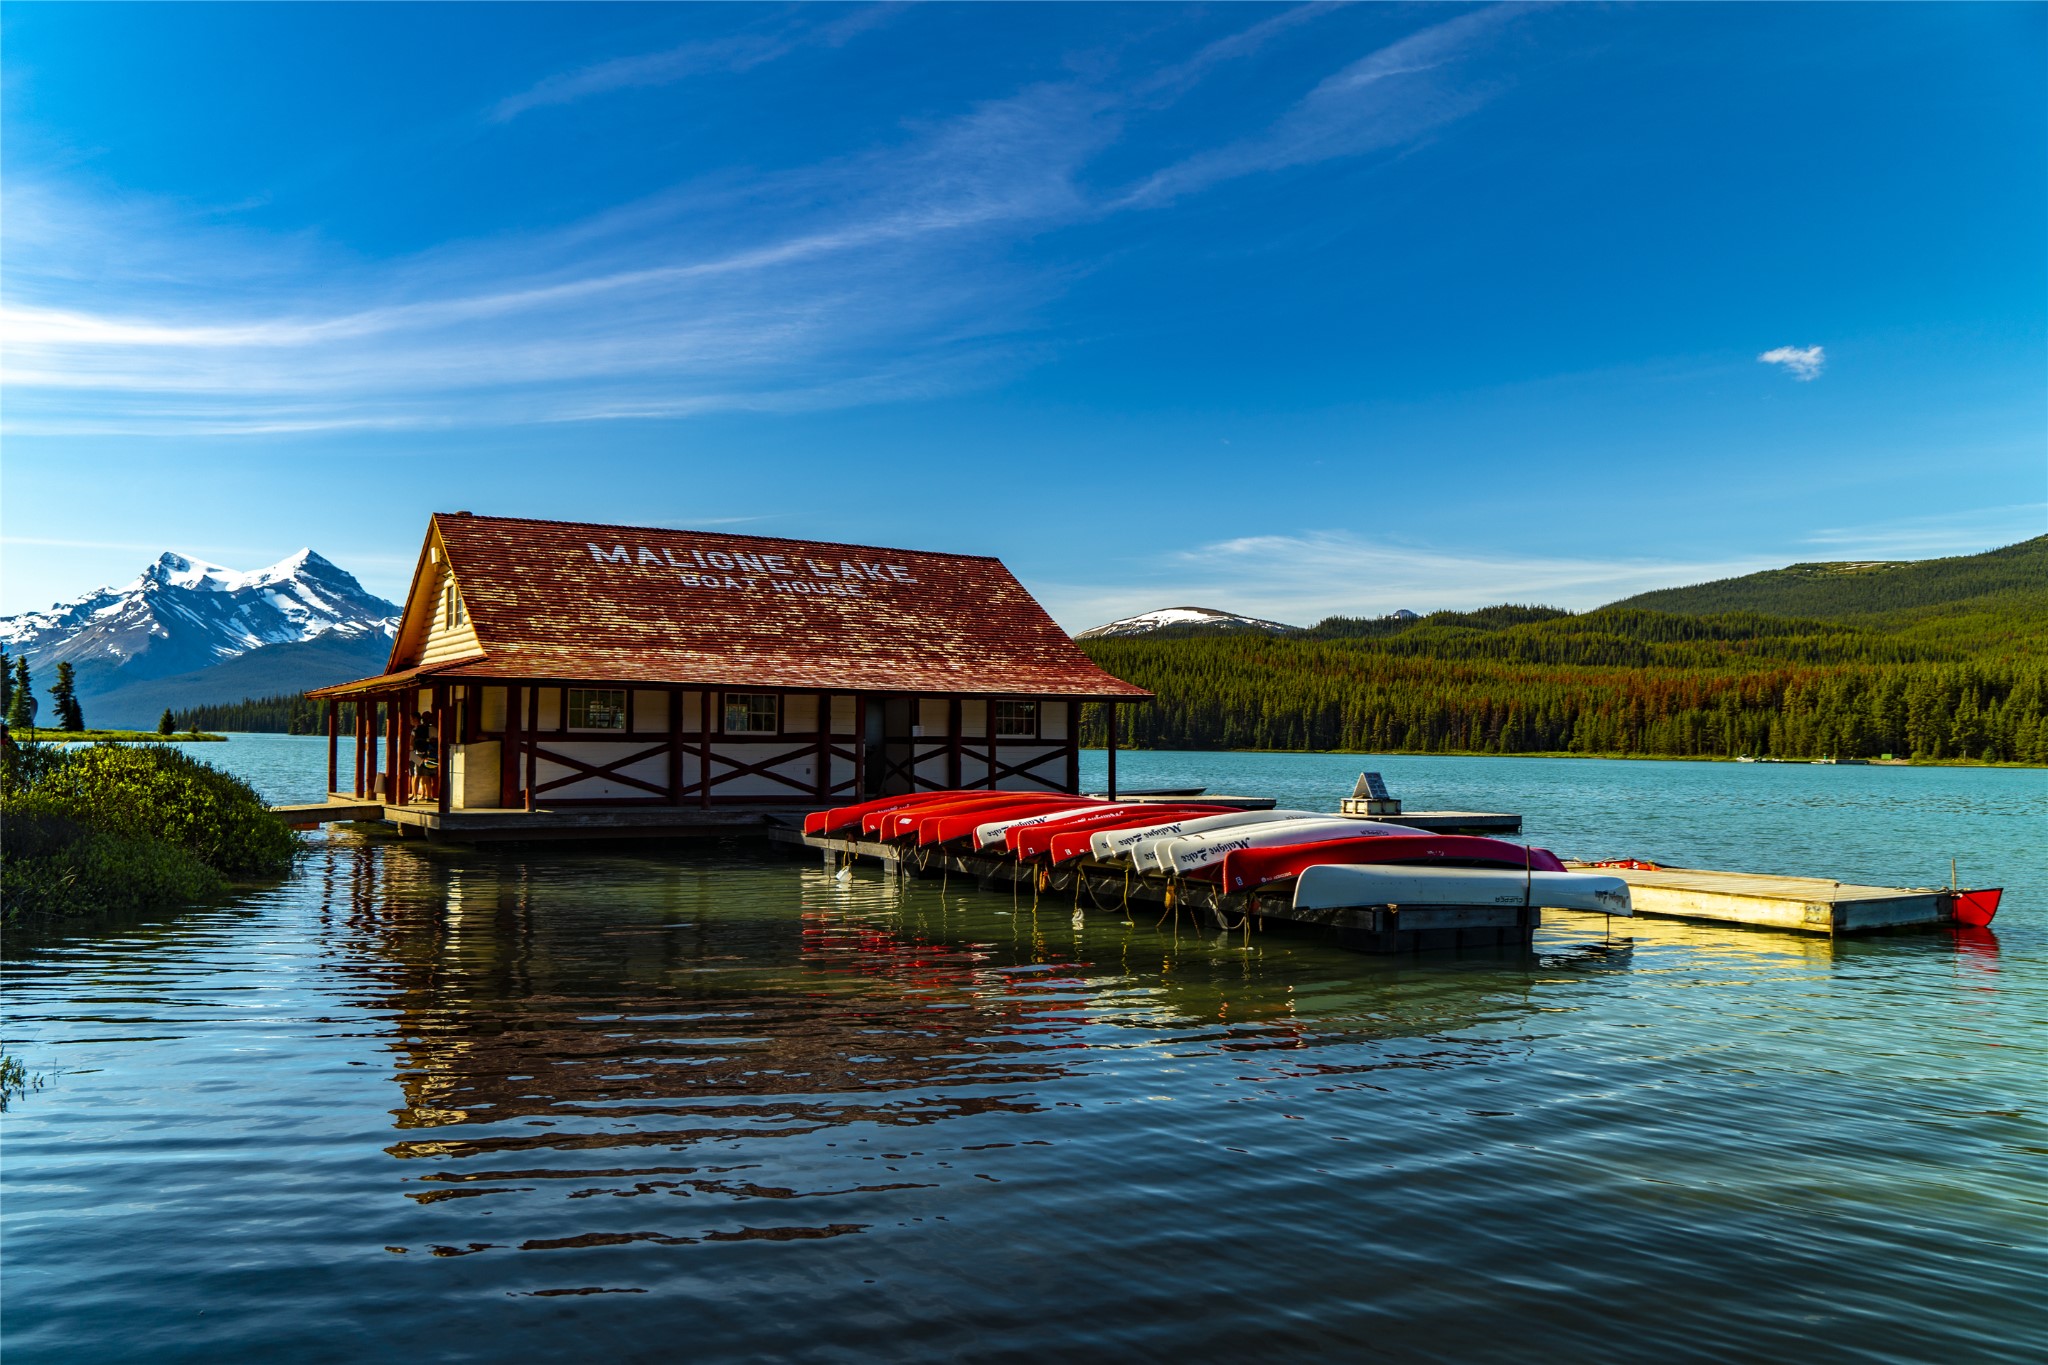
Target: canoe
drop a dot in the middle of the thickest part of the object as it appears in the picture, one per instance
(945, 824)
(1119, 843)
(1192, 852)
(841, 817)
(1031, 841)
(893, 824)
(1340, 887)
(1247, 869)
(1976, 908)
(995, 833)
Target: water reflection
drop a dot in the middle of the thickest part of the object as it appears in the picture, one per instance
(728, 1040)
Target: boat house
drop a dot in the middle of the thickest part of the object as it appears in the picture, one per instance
(554, 665)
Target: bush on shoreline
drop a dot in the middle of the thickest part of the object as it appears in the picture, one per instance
(112, 827)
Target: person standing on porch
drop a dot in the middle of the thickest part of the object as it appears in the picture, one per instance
(425, 770)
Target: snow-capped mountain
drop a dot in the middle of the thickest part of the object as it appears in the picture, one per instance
(181, 614)
(1198, 618)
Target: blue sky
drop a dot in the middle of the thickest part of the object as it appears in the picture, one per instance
(1289, 310)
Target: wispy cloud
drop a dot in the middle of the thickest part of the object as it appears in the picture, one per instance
(1803, 363)
(1304, 578)
(734, 53)
(1381, 100)
(890, 274)
(1968, 531)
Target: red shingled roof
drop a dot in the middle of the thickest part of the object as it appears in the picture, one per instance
(569, 601)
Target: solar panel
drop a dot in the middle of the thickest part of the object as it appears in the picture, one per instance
(1370, 786)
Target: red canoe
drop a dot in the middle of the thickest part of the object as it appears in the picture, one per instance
(1032, 841)
(1975, 908)
(839, 817)
(898, 824)
(957, 823)
(1074, 843)
(1246, 868)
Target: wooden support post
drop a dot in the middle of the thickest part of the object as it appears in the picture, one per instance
(824, 746)
(401, 745)
(988, 723)
(704, 749)
(333, 746)
(532, 741)
(508, 751)
(394, 749)
(675, 746)
(860, 747)
(362, 716)
(1073, 745)
(953, 745)
(1112, 751)
(444, 720)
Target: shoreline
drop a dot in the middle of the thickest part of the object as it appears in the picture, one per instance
(1631, 758)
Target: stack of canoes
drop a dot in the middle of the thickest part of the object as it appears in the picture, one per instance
(1332, 861)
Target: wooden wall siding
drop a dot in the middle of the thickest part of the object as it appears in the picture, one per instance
(550, 708)
(799, 713)
(491, 715)
(649, 712)
(845, 721)
(973, 718)
(933, 713)
(1019, 767)
(440, 641)
(1052, 720)
(593, 771)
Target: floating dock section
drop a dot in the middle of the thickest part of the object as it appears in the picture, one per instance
(1810, 905)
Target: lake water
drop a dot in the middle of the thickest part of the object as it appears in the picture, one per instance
(706, 1102)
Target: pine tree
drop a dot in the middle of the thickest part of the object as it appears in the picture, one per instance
(6, 686)
(168, 725)
(64, 700)
(21, 699)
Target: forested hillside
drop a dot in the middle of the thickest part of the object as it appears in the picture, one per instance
(1969, 682)
(1857, 589)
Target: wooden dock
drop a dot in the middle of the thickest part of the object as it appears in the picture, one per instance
(1811, 905)
(424, 820)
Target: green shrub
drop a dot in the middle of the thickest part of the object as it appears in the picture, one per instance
(51, 865)
(151, 792)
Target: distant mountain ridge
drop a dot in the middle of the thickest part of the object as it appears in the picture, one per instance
(1855, 588)
(184, 630)
(1184, 621)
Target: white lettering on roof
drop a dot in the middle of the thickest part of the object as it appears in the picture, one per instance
(702, 568)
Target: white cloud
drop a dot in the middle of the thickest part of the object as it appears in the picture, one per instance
(1802, 362)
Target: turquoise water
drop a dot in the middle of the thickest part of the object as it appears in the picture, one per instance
(703, 1101)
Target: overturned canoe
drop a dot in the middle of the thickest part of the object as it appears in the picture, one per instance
(1344, 886)
(1192, 852)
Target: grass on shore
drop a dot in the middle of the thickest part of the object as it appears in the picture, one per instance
(42, 736)
(109, 827)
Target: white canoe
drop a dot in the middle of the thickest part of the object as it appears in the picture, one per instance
(1117, 843)
(1332, 886)
(991, 834)
(1186, 852)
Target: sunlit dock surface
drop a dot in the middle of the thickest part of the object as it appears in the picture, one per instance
(1811, 905)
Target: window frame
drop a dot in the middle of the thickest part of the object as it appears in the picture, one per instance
(1003, 727)
(751, 708)
(572, 708)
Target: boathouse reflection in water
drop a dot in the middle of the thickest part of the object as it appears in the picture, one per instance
(733, 1028)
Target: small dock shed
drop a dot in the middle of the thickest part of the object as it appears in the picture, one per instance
(559, 664)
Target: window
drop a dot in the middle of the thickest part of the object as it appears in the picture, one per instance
(750, 713)
(1016, 720)
(452, 614)
(596, 709)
